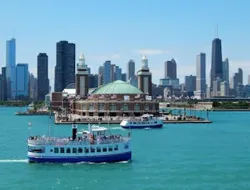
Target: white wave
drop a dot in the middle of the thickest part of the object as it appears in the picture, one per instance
(115, 128)
(14, 161)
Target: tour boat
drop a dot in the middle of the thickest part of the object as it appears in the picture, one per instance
(95, 145)
(145, 121)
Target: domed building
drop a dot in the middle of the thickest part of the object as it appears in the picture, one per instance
(117, 98)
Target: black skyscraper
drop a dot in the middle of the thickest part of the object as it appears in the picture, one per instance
(65, 65)
(216, 66)
(170, 69)
(4, 85)
(42, 76)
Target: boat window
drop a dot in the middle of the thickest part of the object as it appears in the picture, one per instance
(74, 150)
(92, 149)
(110, 148)
(68, 150)
(155, 121)
(56, 150)
(134, 122)
(126, 146)
(86, 150)
(104, 149)
(61, 150)
(98, 149)
(79, 150)
(116, 148)
(36, 149)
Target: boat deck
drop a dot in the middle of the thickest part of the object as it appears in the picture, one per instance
(79, 141)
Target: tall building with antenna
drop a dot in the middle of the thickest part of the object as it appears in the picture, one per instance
(216, 65)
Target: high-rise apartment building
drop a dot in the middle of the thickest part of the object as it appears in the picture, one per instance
(124, 77)
(201, 75)
(130, 70)
(240, 76)
(11, 68)
(170, 69)
(190, 83)
(22, 81)
(32, 87)
(65, 65)
(4, 87)
(42, 76)
(216, 66)
(118, 73)
(225, 70)
(107, 72)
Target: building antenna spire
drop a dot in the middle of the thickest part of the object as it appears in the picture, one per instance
(217, 31)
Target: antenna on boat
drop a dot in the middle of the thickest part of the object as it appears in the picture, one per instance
(49, 121)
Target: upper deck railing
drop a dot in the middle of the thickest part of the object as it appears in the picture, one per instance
(38, 140)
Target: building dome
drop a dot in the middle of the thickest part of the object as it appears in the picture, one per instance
(117, 87)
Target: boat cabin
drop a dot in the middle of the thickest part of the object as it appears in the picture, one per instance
(147, 117)
(98, 131)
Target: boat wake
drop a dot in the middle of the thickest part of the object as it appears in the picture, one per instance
(14, 161)
(114, 128)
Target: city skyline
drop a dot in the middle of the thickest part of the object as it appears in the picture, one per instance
(160, 35)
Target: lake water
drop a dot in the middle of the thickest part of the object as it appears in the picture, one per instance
(177, 157)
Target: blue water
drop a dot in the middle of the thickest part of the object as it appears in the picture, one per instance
(179, 156)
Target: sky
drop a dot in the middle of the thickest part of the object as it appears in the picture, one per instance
(120, 30)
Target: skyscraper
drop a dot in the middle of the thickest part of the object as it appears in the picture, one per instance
(4, 87)
(32, 87)
(170, 69)
(130, 70)
(22, 81)
(248, 79)
(11, 68)
(225, 70)
(65, 65)
(201, 75)
(118, 73)
(216, 66)
(42, 76)
(124, 77)
(100, 75)
(190, 84)
(107, 72)
(240, 76)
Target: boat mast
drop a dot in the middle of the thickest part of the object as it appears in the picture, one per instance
(49, 121)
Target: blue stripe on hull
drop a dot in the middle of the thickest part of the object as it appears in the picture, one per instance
(142, 126)
(96, 159)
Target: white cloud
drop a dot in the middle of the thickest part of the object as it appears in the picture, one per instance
(152, 51)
